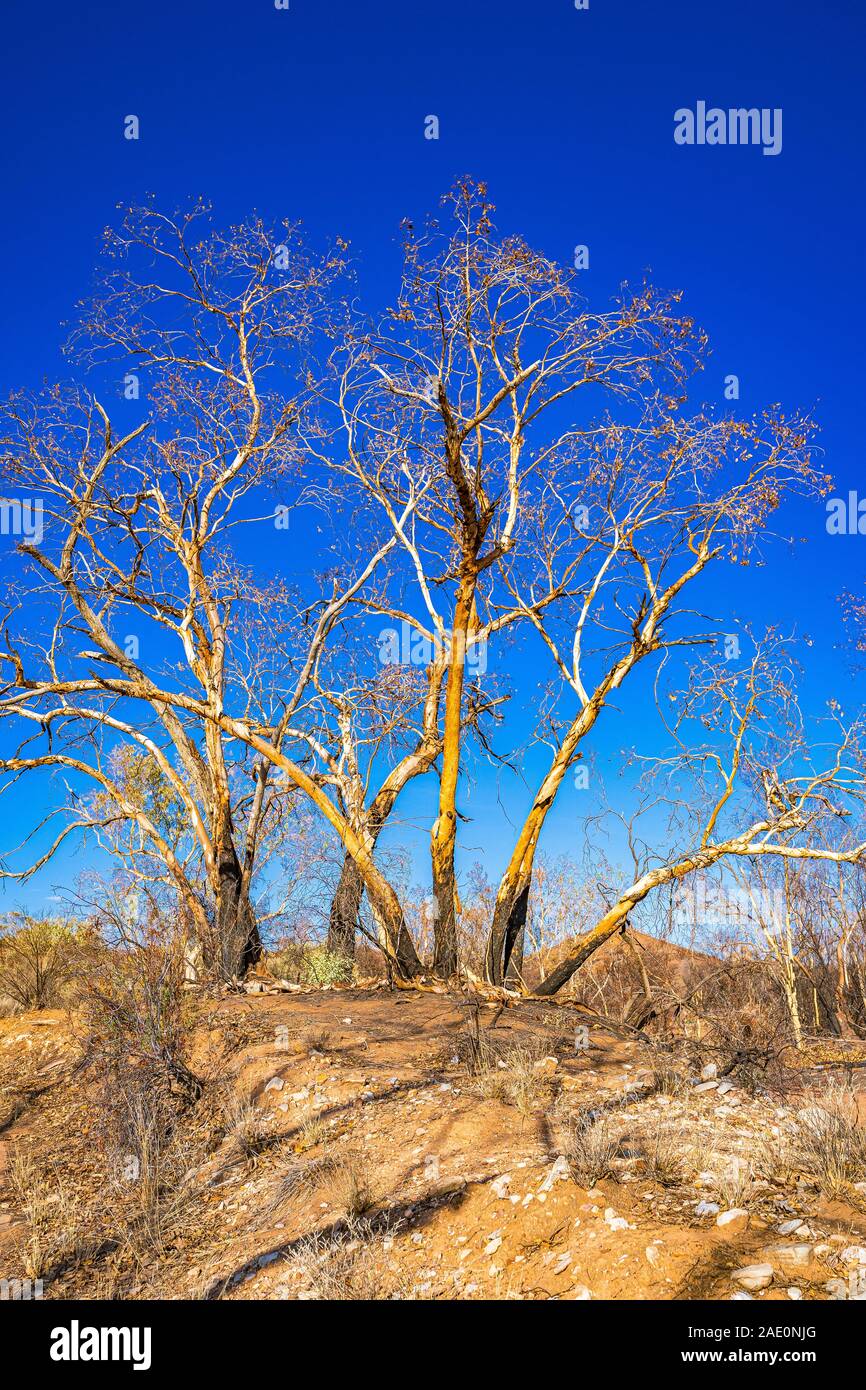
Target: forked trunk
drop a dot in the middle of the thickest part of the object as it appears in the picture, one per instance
(343, 921)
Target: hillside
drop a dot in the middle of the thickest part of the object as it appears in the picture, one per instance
(367, 1144)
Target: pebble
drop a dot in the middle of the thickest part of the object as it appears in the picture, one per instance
(737, 1216)
(754, 1276)
(706, 1209)
(558, 1173)
(616, 1223)
(794, 1254)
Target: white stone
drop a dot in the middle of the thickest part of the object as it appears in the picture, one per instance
(706, 1208)
(754, 1277)
(787, 1228)
(794, 1254)
(726, 1217)
(558, 1173)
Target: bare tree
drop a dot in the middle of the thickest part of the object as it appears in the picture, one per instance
(469, 489)
(659, 501)
(457, 402)
(137, 527)
(747, 783)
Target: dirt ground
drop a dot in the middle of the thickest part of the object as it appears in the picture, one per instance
(381, 1166)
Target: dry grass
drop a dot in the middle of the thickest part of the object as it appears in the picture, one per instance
(774, 1159)
(314, 1039)
(663, 1153)
(668, 1078)
(509, 1072)
(347, 1267)
(300, 1179)
(352, 1187)
(829, 1145)
(246, 1125)
(314, 1131)
(345, 1177)
(57, 1232)
(734, 1182)
(591, 1147)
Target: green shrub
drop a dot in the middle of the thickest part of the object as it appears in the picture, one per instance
(37, 957)
(311, 965)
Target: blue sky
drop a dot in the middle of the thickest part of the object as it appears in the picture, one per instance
(318, 113)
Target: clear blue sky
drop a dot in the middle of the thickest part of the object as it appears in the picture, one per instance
(318, 112)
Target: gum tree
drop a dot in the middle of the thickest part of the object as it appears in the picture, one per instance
(458, 399)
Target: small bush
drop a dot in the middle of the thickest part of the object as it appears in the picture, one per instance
(138, 1035)
(246, 1125)
(829, 1145)
(37, 961)
(591, 1147)
(137, 1018)
(663, 1154)
(311, 965)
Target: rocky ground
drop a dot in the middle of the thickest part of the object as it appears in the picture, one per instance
(418, 1145)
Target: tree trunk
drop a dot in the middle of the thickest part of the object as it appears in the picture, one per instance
(583, 949)
(515, 936)
(443, 839)
(238, 944)
(512, 898)
(514, 968)
(345, 908)
(380, 893)
(343, 920)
